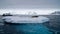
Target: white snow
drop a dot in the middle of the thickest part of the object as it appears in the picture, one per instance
(17, 19)
(28, 11)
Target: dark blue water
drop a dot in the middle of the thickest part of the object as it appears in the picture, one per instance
(32, 29)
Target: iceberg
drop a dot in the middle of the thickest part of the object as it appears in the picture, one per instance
(25, 19)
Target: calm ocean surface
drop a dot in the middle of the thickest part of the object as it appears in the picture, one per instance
(33, 28)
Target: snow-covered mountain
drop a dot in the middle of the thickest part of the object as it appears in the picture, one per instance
(27, 11)
(56, 13)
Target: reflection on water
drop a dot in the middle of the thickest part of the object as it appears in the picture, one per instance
(29, 28)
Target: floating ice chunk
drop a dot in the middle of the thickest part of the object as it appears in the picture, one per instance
(17, 19)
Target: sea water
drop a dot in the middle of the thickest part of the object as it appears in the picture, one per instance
(32, 28)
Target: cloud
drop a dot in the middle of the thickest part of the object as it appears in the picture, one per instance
(29, 4)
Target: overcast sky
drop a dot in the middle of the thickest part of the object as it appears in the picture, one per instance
(30, 4)
(26, 5)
